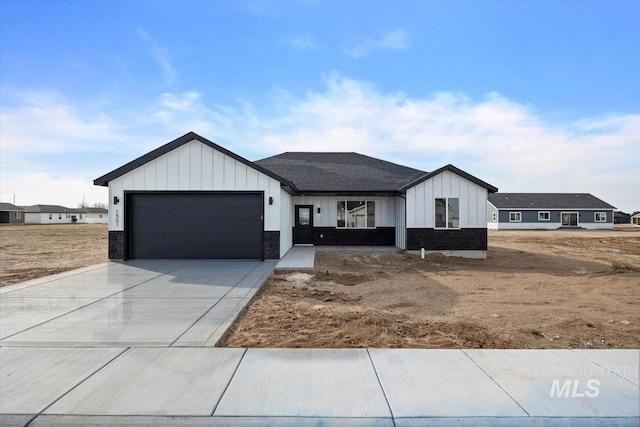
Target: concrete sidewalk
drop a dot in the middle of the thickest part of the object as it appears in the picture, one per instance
(298, 258)
(308, 387)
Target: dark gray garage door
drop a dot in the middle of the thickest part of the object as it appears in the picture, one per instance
(195, 225)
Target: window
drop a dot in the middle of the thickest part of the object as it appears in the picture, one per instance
(448, 212)
(358, 214)
(494, 216)
(515, 216)
(544, 216)
(68, 216)
(100, 215)
(50, 216)
(600, 216)
(17, 215)
(59, 216)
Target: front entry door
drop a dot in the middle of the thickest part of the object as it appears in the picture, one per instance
(569, 219)
(303, 231)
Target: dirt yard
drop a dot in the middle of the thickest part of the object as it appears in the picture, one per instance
(537, 289)
(30, 251)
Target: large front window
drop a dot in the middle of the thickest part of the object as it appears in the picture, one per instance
(358, 214)
(448, 212)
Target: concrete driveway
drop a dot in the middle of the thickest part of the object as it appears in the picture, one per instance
(134, 304)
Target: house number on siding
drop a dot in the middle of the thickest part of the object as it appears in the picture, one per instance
(117, 218)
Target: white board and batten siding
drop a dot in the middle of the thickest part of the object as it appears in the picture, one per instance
(421, 201)
(286, 222)
(195, 167)
(385, 209)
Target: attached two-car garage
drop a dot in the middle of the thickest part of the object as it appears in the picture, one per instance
(202, 225)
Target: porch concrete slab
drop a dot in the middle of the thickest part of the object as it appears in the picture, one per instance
(298, 258)
(304, 383)
(101, 421)
(439, 383)
(19, 314)
(85, 285)
(120, 321)
(155, 381)
(535, 378)
(33, 378)
(214, 323)
(625, 363)
(49, 278)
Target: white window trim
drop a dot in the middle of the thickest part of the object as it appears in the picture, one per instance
(519, 216)
(595, 217)
(366, 201)
(548, 218)
(446, 220)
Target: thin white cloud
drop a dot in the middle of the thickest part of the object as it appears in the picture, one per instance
(394, 40)
(161, 55)
(302, 43)
(501, 141)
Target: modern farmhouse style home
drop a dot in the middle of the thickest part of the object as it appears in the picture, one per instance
(548, 211)
(192, 198)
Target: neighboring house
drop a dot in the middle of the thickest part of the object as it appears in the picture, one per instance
(621, 218)
(96, 215)
(635, 218)
(11, 214)
(53, 214)
(547, 211)
(192, 198)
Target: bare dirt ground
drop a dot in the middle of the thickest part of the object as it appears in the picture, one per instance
(31, 251)
(537, 289)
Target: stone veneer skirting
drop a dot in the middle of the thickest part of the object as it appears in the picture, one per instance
(331, 236)
(116, 245)
(442, 240)
(271, 245)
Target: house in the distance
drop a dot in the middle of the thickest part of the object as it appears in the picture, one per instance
(11, 214)
(53, 214)
(192, 198)
(548, 211)
(635, 218)
(621, 217)
(96, 215)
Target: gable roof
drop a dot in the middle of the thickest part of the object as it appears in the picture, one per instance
(490, 188)
(184, 139)
(8, 207)
(547, 201)
(51, 209)
(340, 172)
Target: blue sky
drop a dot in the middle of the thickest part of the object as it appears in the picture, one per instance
(528, 96)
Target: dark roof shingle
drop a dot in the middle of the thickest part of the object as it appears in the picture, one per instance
(340, 172)
(52, 209)
(8, 207)
(547, 201)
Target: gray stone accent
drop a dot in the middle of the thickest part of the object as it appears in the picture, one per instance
(116, 245)
(271, 245)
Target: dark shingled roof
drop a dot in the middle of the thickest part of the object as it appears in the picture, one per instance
(547, 201)
(8, 207)
(95, 210)
(51, 209)
(340, 172)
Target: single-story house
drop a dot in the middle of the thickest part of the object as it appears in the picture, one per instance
(192, 198)
(11, 214)
(53, 214)
(96, 215)
(548, 211)
(635, 218)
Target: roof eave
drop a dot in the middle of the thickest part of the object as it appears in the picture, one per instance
(188, 137)
(490, 188)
